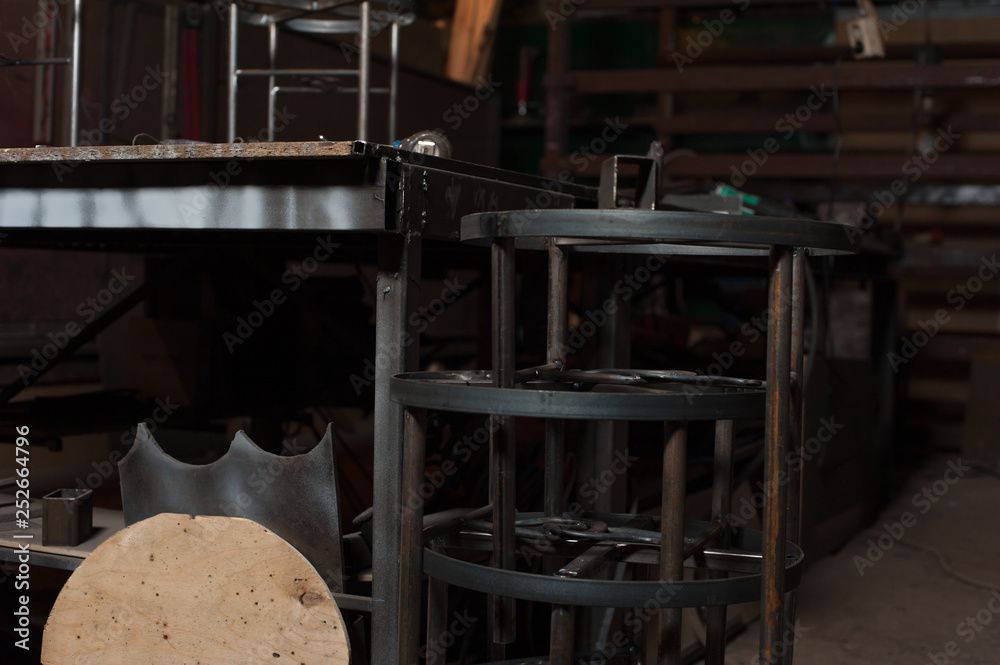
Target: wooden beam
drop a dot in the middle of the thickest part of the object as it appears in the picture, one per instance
(473, 30)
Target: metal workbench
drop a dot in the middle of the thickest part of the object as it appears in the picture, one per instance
(145, 198)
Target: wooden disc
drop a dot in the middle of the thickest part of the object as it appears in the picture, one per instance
(181, 590)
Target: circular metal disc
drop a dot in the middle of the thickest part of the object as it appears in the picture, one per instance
(473, 392)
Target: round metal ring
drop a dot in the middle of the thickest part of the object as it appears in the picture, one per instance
(658, 226)
(473, 392)
(610, 593)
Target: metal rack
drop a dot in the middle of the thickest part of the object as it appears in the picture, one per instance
(347, 22)
(734, 565)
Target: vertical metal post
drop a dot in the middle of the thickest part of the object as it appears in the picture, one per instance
(234, 24)
(364, 73)
(398, 272)
(437, 620)
(503, 447)
(272, 92)
(795, 434)
(74, 85)
(779, 333)
(555, 430)
(411, 531)
(562, 641)
(672, 536)
(393, 79)
(722, 502)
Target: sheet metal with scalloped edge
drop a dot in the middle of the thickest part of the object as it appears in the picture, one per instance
(295, 496)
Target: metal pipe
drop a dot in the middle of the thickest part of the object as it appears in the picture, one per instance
(364, 74)
(503, 445)
(555, 429)
(296, 72)
(779, 333)
(74, 86)
(722, 502)
(672, 537)
(272, 89)
(234, 23)
(411, 534)
(393, 79)
(795, 423)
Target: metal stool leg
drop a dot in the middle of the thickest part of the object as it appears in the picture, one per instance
(234, 24)
(364, 73)
(272, 88)
(393, 80)
(74, 88)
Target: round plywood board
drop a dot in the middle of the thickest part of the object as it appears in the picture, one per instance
(181, 590)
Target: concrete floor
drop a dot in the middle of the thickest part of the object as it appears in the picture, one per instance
(886, 598)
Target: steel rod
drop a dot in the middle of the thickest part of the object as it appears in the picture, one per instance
(503, 444)
(393, 79)
(74, 86)
(411, 534)
(779, 332)
(561, 638)
(272, 89)
(672, 535)
(555, 430)
(722, 502)
(795, 434)
(233, 83)
(364, 73)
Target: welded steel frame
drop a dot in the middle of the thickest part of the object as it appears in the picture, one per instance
(783, 239)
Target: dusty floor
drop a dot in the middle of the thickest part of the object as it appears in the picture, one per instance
(888, 598)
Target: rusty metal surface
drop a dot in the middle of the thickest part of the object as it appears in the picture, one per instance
(138, 153)
(776, 435)
(295, 497)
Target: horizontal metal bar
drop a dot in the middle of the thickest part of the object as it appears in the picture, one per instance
(296, 72)
(346, 601)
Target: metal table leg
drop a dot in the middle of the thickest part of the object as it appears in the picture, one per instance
(399, 269)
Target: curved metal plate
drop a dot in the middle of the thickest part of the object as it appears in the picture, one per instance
(611, 593)
(295, 496)
(473, 392)
(659, 226)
